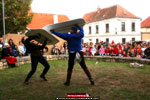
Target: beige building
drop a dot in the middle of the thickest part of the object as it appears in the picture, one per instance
(145, 29)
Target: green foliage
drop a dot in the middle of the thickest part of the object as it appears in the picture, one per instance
(17, 15)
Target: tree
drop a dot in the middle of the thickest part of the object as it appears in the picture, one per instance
(17, 15)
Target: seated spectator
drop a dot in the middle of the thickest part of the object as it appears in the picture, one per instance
(120, 51)
(124, 54)
(13, 47)
(112, 51)
(143, 49)
(93, 51)
(89, 51)
(21, 49)
(132, 52)
(125, 48)
(6, 54)
(128, 54)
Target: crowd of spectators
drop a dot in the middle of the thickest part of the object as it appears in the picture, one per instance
(131, 49)
(139, 49)
(9, 51)
(62, 50)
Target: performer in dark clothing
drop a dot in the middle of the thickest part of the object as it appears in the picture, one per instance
(36, 56)
(74, 47)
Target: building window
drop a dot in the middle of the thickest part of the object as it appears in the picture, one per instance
(123, 26)
(107, 40)
(123, 40)
(90, 30)
(107, 28)
(97, 40)
(133, 26)
(97, 29)
(133, 39)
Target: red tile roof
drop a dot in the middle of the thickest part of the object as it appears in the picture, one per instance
(106, 13)
(40, 20)
(146, 23)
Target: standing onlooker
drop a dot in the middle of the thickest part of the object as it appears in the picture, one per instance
(138, 51)
(83, 50)
(116, 50)
(62, 50)
(65, 48)
(143, 49)
(106, 51)
(101, 51)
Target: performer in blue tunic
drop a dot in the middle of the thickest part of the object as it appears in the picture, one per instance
(74, 40)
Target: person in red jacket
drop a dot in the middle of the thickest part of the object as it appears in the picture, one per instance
(112, 43)
(120, 51)
(6, 54)
(138, 51)
(116, 51)
(107, 51)
(112, 51)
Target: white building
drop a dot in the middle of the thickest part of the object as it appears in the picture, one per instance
(113, 23)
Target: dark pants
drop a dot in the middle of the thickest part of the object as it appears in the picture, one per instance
(34, 63)
(71, 61)
(71, 65)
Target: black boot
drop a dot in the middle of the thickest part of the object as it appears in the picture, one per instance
(69, 73)
(89, 76)
(43, 77)
(26, 82)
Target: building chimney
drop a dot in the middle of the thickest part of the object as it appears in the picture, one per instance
(55, 19)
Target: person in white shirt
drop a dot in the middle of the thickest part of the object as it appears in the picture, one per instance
(21, 49)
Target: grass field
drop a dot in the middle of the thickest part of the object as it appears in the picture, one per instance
(114, 81)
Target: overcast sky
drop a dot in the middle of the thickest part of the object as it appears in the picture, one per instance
(77, 8)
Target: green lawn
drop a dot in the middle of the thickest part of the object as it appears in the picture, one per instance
(114, 81)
